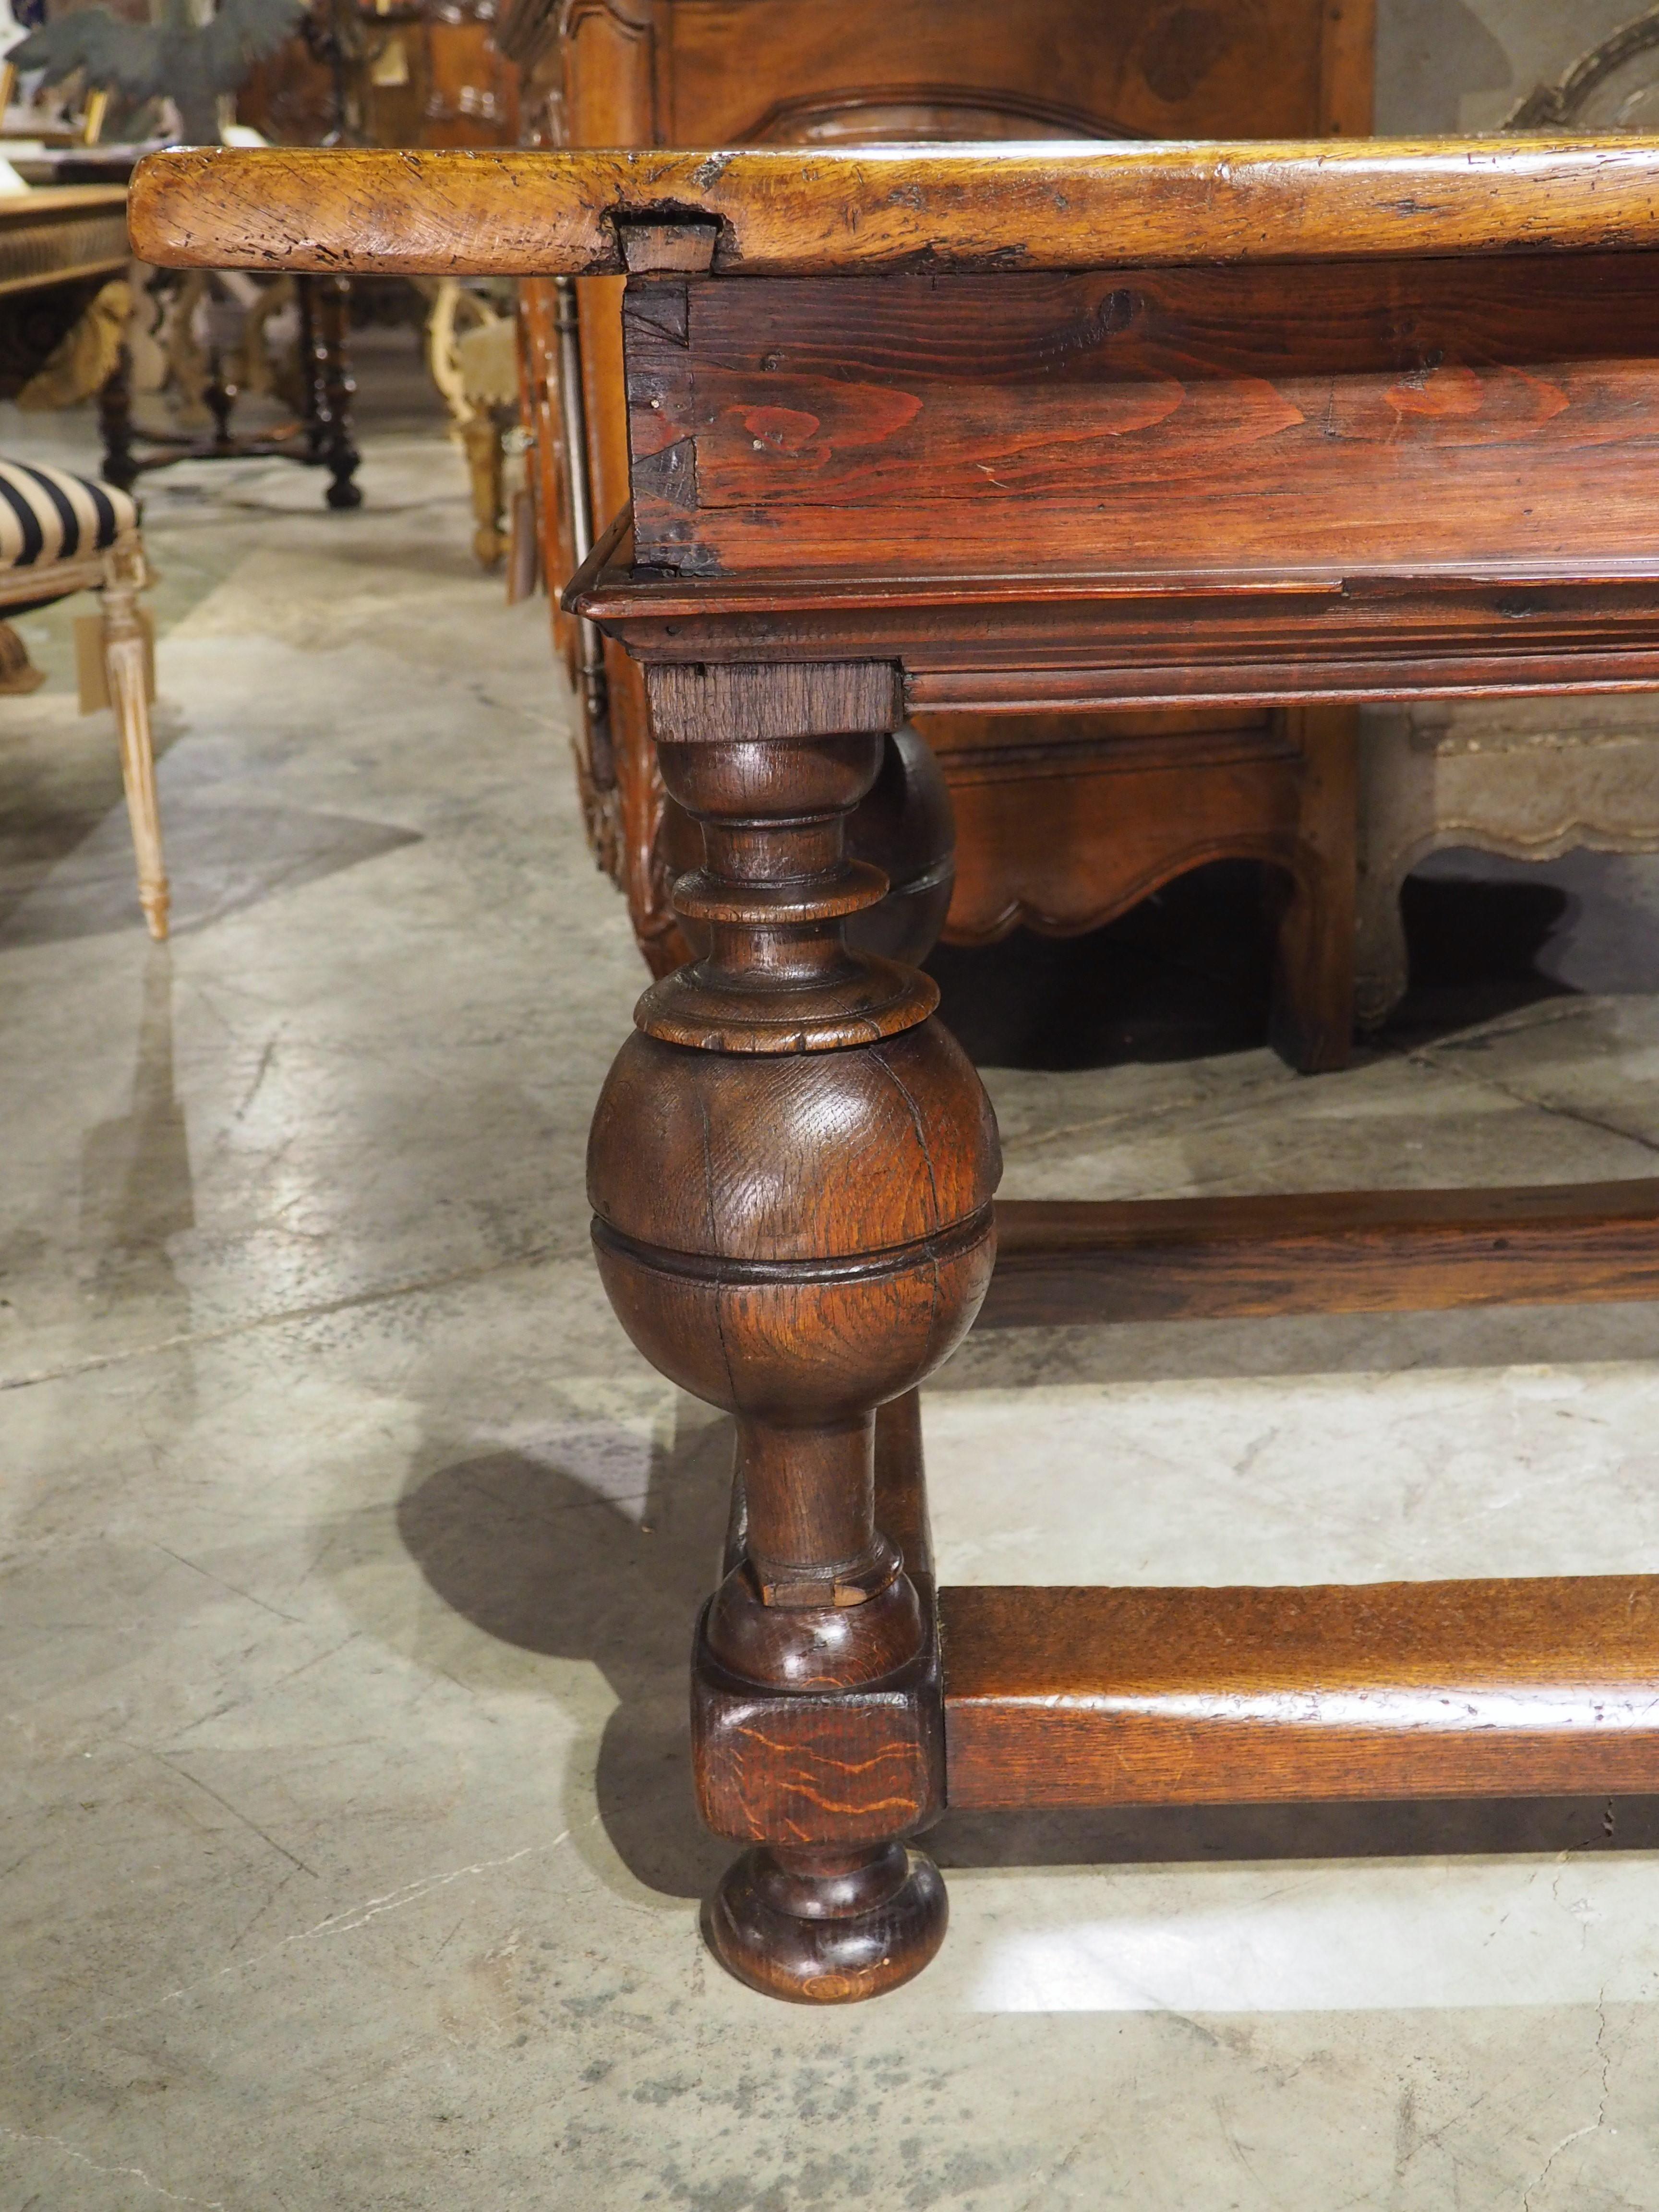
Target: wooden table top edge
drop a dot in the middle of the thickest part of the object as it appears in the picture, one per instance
(777, 211)
(616, 592)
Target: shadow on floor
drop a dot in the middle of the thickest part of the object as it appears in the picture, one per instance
(1474, 948)
(66, 866)
(1187, 973)
(532, 1556)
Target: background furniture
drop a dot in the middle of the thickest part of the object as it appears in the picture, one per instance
(59, 247)
(939, 429)
(1529, 779)
(322, 438)
(472, 353)
(1531, 783)
(1063, 821)
(399, 74)
(49, 125)
(393, 73)
(61, 533)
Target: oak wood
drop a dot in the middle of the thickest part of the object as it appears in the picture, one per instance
(781, 1063)
(1033, 643)
(1036, 207)
(817, 1926)
(1353, 415)
(735, 72)
(859, 1765)
(885, 1747)
(1348, 1251)
(1256, 1696)
(754, 706)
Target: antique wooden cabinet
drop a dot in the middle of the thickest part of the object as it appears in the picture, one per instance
(1061, 821)
(393, 73)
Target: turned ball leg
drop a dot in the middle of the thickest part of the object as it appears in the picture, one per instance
(791, 1169)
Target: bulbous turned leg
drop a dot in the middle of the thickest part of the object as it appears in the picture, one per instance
(791, 1171)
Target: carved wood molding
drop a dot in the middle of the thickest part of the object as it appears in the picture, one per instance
(1023, 909)
(50, 580)
(787, 122)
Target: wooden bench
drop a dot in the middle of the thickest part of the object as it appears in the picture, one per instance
(1020, 429)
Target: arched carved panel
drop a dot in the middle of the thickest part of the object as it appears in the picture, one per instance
(1615, 87)
(911, 113)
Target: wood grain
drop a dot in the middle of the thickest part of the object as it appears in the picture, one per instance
(1256, 1696)
(740, 72)
(855, 1765)
(756, 706)
(1350, 1251)
(779, 72)
(1384, 413)
(1044, 206)
(794, 1223)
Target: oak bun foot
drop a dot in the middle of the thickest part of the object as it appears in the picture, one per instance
(826, 1927)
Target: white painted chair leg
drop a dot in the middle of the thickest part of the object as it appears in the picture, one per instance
(125, 576)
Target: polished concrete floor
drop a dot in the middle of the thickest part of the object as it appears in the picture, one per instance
(349, 1554)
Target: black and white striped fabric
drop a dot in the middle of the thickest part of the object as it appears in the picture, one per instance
(47, 515)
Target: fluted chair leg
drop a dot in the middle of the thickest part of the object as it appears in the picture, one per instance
(125, 576)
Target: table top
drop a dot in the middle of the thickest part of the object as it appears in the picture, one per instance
(1053, 205)
(1374, 418)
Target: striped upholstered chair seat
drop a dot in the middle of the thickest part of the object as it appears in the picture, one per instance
(47, 515)
(60, 534)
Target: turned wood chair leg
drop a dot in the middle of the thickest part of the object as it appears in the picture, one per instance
(126, 675)
(325, 324)
(115, 421)
(481, 437)
(791, 1171)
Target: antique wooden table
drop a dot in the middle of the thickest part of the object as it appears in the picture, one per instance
(59, 245)
(1020, 429)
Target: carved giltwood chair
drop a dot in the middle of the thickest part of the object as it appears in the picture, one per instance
(61, 533)
(1062, 821)
(999, 428)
